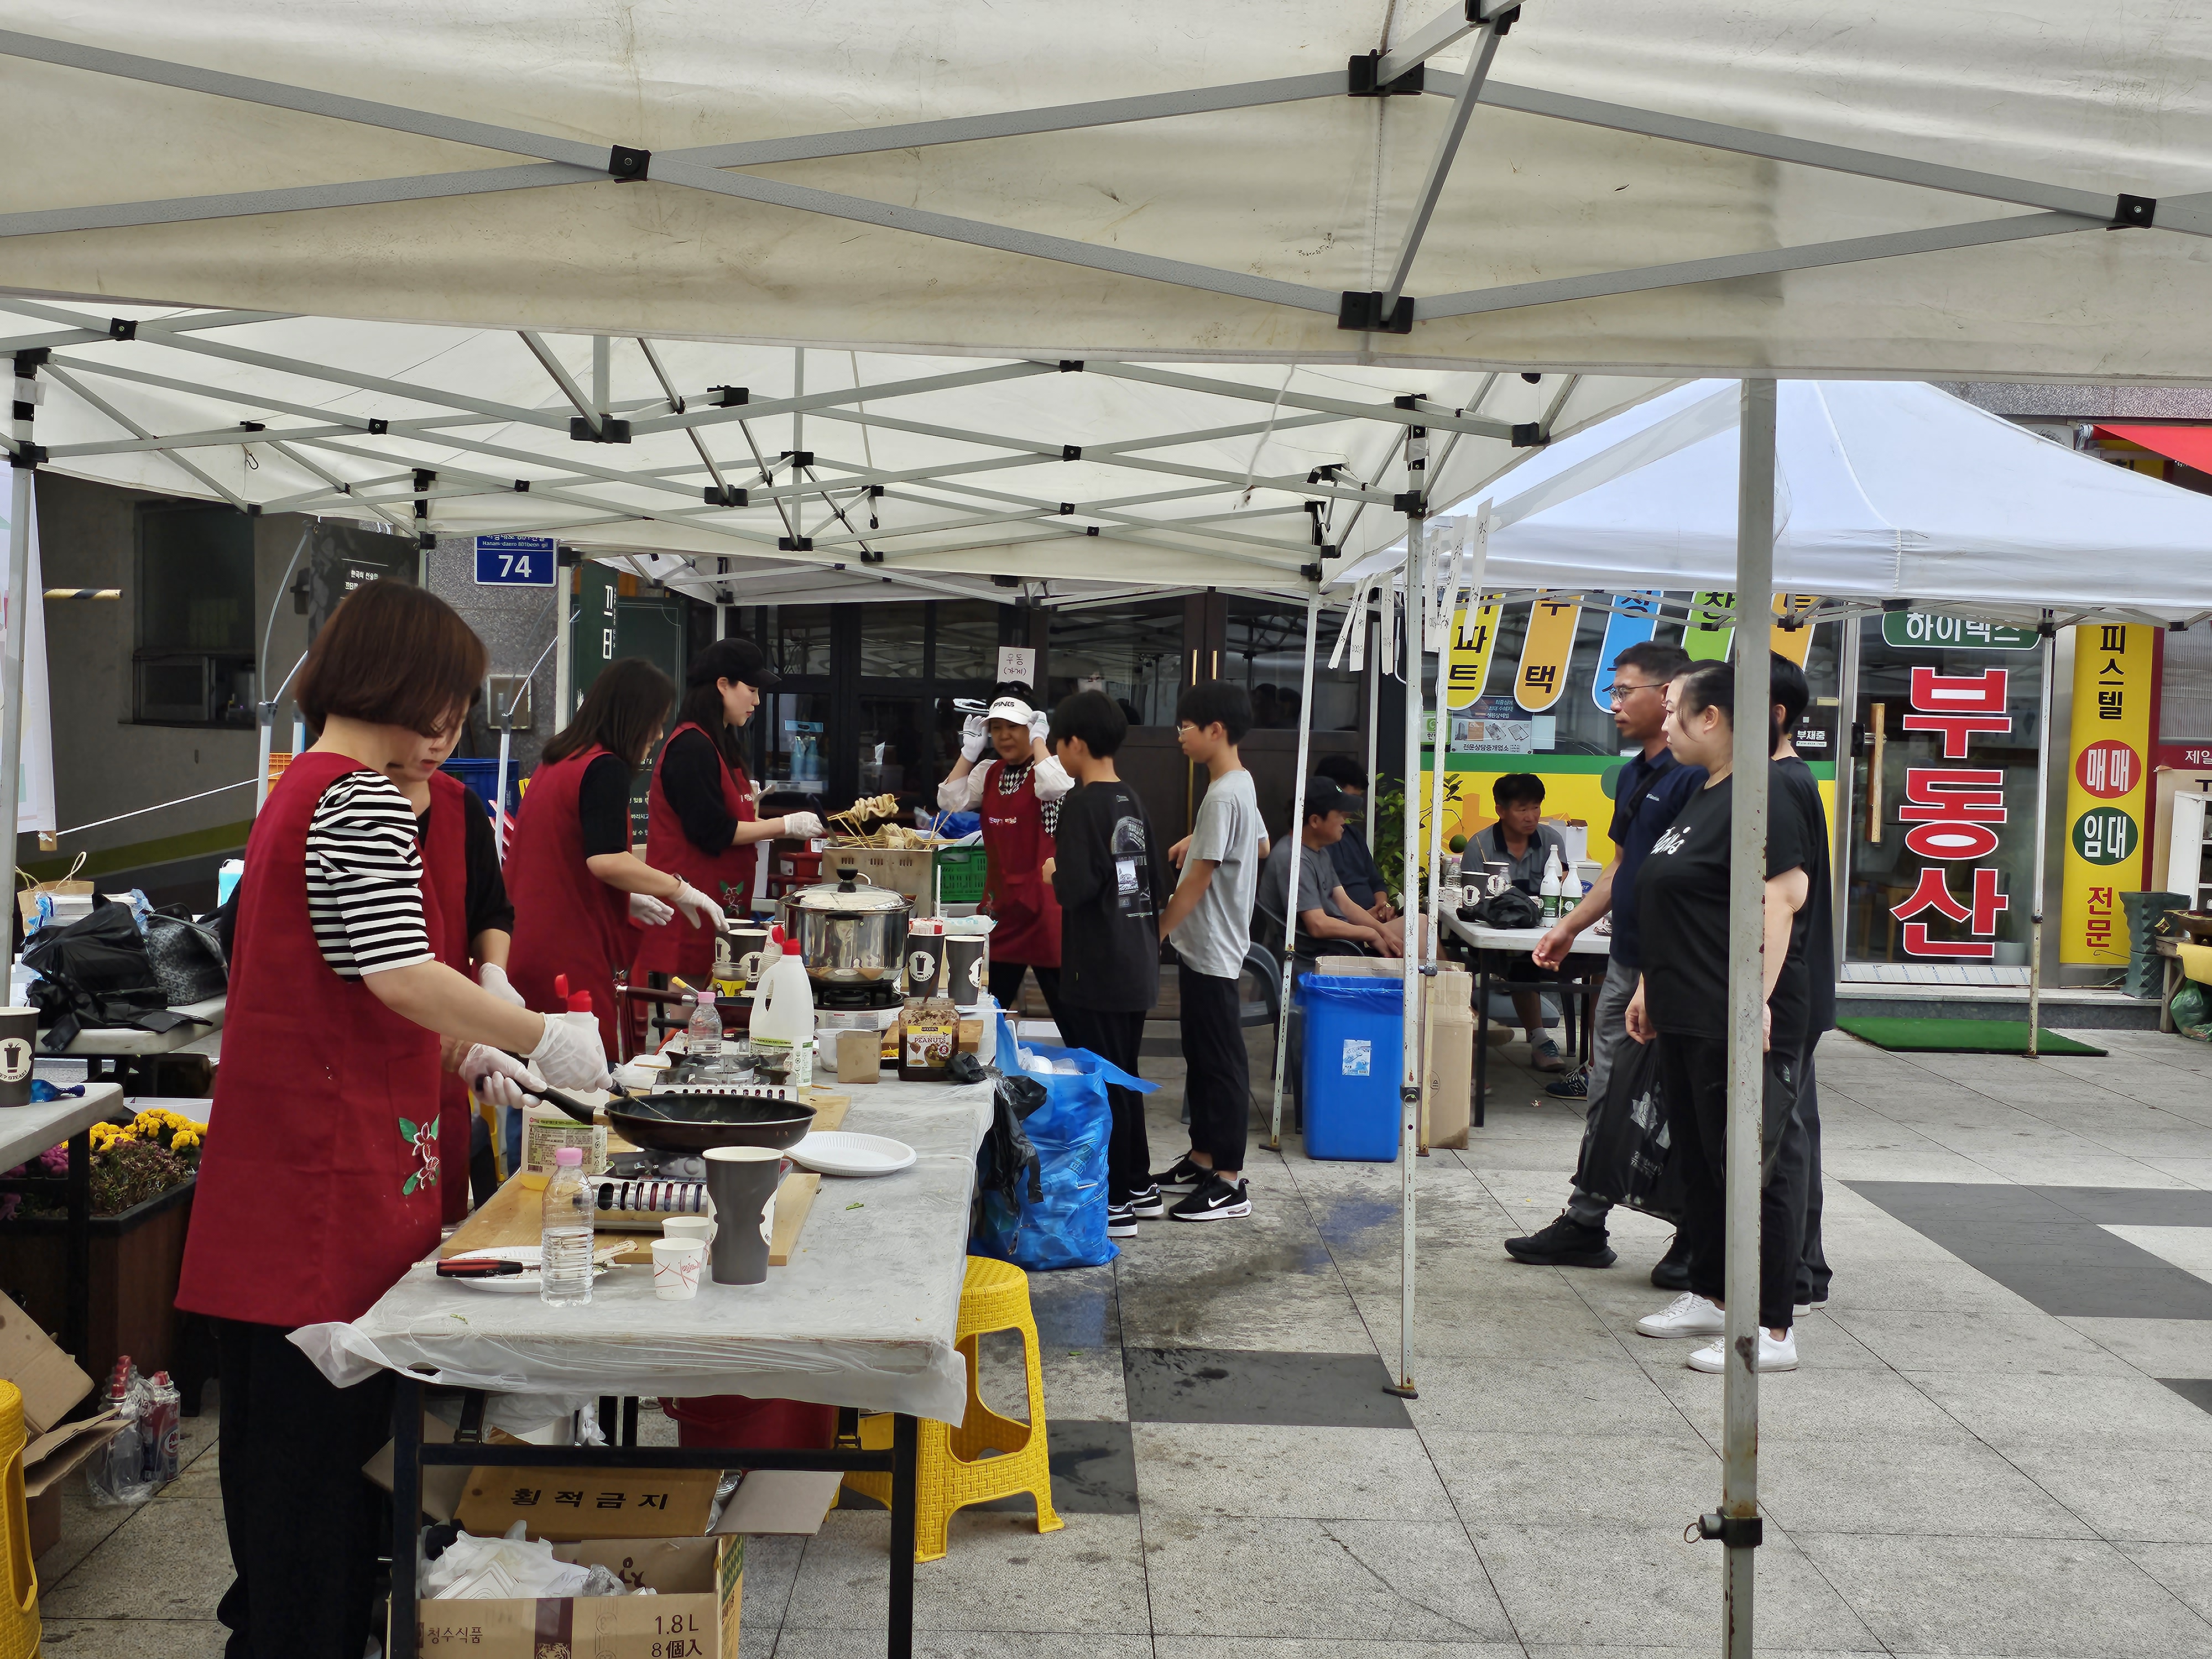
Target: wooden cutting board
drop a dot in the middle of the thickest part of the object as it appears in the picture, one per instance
(515, 1214)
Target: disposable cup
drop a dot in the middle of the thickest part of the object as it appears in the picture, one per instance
(697, 1228)
(677, 1264)
(742, 1181)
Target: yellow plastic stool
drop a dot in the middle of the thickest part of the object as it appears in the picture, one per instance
(19, 1607)
(950, 1471)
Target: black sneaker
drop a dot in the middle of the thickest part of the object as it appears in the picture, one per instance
(1573, 1086)
(1183, 1176)
(1215, 1201)
(1565, 1243)
(1120, 1221)
(1672, 1271)
(1147, 1205)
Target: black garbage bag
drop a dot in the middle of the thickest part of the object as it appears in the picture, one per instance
(1510, 907)
(1006, 1154)
(92, 973)
(1628, 1155)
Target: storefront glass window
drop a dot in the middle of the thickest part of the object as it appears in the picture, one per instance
(797, 637)
(2184, 710)
(968, 639)
(1264, 651)
(796, 735)
(1135, 655)
(894, 642)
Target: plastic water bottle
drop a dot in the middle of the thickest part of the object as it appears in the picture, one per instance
(564, 1273)
(702, 1036)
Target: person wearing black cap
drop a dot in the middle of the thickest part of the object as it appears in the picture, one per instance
(701, 822)
(1325, 910)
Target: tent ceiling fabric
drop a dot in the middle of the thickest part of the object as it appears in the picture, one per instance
(1191, 476)
(1998, 140)
(1883, 491)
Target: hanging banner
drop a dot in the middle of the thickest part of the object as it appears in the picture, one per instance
(1793, 642)
(1631, 623)
(1706, 634)
(35, 770)
(2107, 787)
(1473, 634)
(1543, 652)
(1924, 630)
(1954, 813)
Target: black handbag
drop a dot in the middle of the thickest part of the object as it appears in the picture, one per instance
(1510, 907)
(93, 972)
(187, 958)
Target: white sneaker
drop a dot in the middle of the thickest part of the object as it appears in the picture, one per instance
(1687, 1314)
(1804, 1308)
(1772, 1356)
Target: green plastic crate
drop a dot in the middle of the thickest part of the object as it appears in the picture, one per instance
(960, 872)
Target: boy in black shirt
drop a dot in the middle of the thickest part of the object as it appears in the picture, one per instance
(1108, 874)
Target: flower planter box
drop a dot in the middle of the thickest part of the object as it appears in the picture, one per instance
(135, 1259)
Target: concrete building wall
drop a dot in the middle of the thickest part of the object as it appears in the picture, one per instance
(517, 626)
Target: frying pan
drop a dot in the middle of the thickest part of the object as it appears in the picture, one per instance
(690, 1123)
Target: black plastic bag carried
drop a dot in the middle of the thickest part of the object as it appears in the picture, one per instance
(1628, 1155)
(93, 972)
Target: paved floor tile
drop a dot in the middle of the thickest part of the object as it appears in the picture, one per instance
(2159, 1347)
(2184, 1569)
(1203, 1385)
(1331, 1473)
(1958, 1486)
(1503, 1483)
(132, 1638)
(167, 1561)
(2007, 1598)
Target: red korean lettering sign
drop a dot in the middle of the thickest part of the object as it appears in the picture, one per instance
(1952, 810)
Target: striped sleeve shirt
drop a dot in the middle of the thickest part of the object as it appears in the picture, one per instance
(365, 878)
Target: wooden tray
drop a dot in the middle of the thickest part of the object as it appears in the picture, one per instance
(513, 1214)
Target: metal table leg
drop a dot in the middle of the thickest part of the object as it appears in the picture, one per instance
(1482, 1039)
(906, 1441)
(76, 1254)
(406, 1514)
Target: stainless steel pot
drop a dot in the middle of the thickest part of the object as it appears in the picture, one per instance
(850, 931)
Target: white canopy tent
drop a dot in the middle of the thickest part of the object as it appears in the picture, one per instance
(1928, 190)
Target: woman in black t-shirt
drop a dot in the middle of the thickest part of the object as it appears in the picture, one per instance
(1682, 1001)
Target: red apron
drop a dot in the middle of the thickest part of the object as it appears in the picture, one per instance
(320, 1183)
(445, 876)
(566, 921)
(1015, 891)
(725, 876)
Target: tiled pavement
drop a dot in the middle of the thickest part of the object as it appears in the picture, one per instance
(2000, 1444)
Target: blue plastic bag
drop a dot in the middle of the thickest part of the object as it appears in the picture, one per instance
(1066, 1227)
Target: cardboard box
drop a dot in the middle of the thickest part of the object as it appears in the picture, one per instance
(60, 1453)
(908, 870)
(52, 1382)
(1448, 1084)
(570, 1505)
(698, 1585)
(43, 1518)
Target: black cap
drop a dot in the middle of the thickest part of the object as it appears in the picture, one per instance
(1323, 797)
(734, 658)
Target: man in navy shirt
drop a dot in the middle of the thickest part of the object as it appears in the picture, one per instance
(1647, 793)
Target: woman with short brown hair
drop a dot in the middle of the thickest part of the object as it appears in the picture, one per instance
(321, 1181)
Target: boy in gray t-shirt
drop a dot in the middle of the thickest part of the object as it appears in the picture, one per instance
(1209, 921)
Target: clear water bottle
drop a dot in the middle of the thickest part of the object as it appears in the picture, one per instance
(564, 1274)
(702, 1036)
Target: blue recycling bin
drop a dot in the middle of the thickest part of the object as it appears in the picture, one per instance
(1353, 1049)
(483, 776)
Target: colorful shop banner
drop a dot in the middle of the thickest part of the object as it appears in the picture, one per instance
(1545, 651)
(1474, 636)
(1711, 625)
(1924, 630)
(2107, 787)
(1793, 642)
(1953, 807)
(1634, 620)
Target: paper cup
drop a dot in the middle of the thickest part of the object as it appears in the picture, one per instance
(676, 1263)
(699, 1229)
(742, 1181)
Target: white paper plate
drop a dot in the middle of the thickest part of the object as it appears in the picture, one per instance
(531, 1257)
(840, 1153)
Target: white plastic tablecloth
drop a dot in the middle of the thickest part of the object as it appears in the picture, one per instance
(865, 1314)
(1588, 942)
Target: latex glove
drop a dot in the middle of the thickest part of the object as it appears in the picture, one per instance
(493, 978)
(647, 911)
(698, 909)
(499, 1077)
(571, 1054)
(1040, 726)
(801, 826)
(974, 737)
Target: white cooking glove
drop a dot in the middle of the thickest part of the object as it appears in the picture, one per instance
(647, 911)
(571, 1054)
(1041, 725)
(698, 909)
(499, 1077)
(493, 978)
(801, 826)
(975, 737)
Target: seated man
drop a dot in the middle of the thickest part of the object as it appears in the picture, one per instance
(1325, 911)
(1522, 842)
(1355, 863)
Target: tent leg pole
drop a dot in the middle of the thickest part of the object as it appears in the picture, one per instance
(268, 721)
(2042, 801)
(1291, 890)
(499, 796)
(1374, 716)
(1754, 581)
(19, 612)
(1409, 1072)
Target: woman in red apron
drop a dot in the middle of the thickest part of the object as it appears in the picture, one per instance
(321, 1181)
(460, 869)
(700, 823)
(1018, 795)
(583, 893)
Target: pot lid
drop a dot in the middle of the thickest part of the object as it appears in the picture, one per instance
(855, 896)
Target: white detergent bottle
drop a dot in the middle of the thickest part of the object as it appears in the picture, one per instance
(1550, 888)
(783, 1003)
